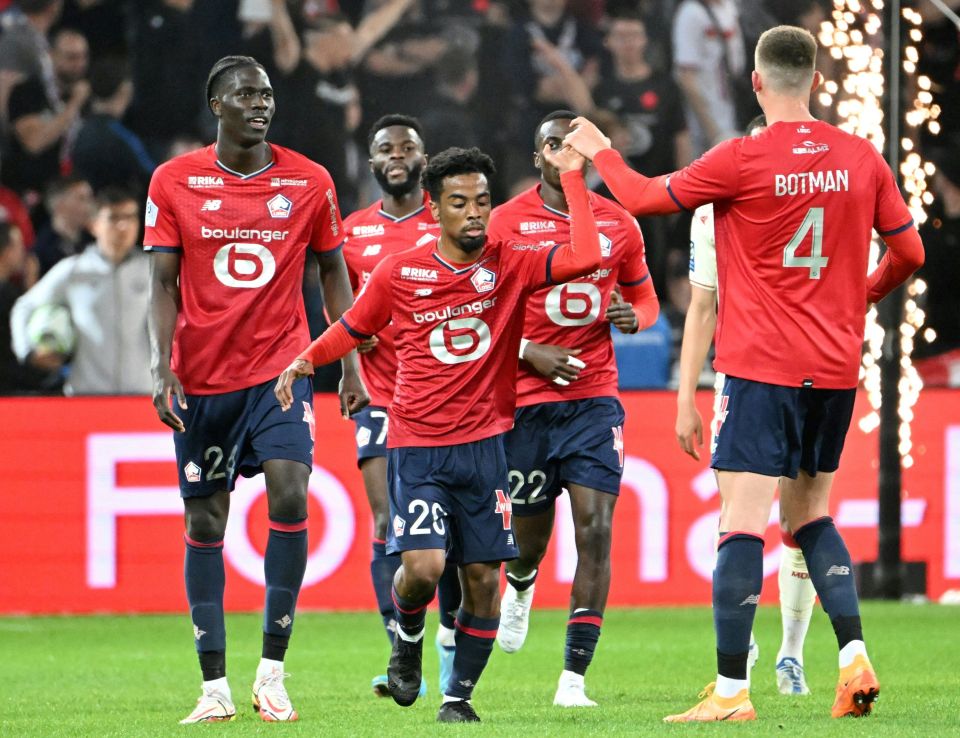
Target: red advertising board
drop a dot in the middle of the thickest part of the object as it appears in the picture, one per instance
(90, 517)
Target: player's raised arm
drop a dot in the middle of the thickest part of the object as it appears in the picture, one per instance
(638, 194)
(582, 255)
(164, 307)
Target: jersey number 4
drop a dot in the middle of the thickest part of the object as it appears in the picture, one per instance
(812, 221)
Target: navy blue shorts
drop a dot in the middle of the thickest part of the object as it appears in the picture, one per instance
(235, 432)
(371, 424)
(774, 430)
(558, 443)
(452, 498)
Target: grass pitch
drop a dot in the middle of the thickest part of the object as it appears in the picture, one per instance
(137, 676)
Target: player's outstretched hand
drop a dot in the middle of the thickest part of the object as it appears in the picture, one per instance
(353, 395)
(621, 314)
(165, 384)
(367, 345)
(564, 158)
(690, 430)
(586, 138)
(559, 363)
(284, 389)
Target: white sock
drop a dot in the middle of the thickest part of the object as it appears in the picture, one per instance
(571, 678)
(797, 598)
(401, 633)
(267, 666)
(218, 685)
(447, 699)
(727, 687)
(849, 652)
(526, 578)
(446, 637)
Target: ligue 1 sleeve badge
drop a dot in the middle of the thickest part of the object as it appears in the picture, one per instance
(279, 206)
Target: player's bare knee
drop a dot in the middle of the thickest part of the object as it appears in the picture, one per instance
(287, 503)
(205, 524)
(423, 572)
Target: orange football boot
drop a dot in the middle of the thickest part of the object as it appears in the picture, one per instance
(857, 689)
(712, 708)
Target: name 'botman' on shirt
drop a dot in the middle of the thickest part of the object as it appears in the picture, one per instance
(808, 183)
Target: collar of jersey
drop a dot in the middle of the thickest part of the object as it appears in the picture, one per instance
(461, 270)
(240, 175)
(556, 212)
(402, 218)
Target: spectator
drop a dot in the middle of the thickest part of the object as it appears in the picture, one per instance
(710, 63)
(538, 88)
(69, 202)
(40, 127)
(24, 50)
(105, 289)
(106, 152)
(14, 377)
(166, 70)
(452, 118)
(13, 211)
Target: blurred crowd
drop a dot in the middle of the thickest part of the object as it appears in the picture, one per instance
(95, 93)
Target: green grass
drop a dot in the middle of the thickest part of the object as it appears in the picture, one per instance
(137, 675)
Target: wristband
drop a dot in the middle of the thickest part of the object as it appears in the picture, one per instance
(523, 346)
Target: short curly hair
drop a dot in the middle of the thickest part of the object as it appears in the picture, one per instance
(451, 162)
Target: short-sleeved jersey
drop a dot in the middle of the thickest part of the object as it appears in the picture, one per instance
(458, 330)
(572, 314)
(242, 240)
(372, 235)
(794, 207)
(703, 249)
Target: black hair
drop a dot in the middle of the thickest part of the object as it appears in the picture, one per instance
(32, 7)
(106, 76)
(759, 121)
(451, 162)
(6, 232)
(555, 115)
(59, 186)
(228, 64)
(394, 119)
(114, 195)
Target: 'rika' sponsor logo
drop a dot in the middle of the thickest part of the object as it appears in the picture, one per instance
(202, 181)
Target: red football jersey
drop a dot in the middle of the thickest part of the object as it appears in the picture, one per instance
(458, 331)
(571, 314)
(794, 208)
(371, 235)
(242, 240)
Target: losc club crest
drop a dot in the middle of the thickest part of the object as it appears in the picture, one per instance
(279, 206)
(606, 246)
(483, 279)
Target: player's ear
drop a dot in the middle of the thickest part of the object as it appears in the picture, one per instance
(817, 81)
(435, 208)
(756, 81)
(214, 104)
(536, 159)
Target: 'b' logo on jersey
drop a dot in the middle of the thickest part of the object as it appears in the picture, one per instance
(460, 340)
(244, 265)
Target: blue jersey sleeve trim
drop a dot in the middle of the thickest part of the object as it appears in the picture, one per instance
(674, 198)
(550, 256)
(895, 231)
(352, 332)
(164, 249)
(634, 284)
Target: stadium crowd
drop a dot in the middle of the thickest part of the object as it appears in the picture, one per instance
(94, 94)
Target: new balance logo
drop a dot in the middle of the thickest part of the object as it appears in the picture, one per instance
(211, 205)
(197, 633)
(284, 622)
(372, 250)
(751, 600)
(840, 571)
(468, 683)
